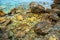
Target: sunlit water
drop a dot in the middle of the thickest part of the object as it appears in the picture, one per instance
(7, 5)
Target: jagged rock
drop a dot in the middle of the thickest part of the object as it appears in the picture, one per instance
(57, 1)
(13, 11)
(3, 34)
(57, 25)
(54, 11)
(36, 8)
(2, 13)
(42, 28)
(55, 6)
(57, 12)
(53, 17)
(2, 19)
(8, 21)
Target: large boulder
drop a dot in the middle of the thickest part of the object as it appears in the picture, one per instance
(53, 17)
(42, 28)
(56, 1)
(55, 6)
(36, 8)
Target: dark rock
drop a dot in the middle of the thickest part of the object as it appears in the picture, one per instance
(36, 8)
(53, 17)
(3, 34)
(57, 1)
(57, 12)
(42, 28)
(48, 10)
(13, 11)
(54, 11)
(57, 25)
(55, 6)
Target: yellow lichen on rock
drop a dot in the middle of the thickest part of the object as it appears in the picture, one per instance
(53, 37)
(20, 17)
(2, 19)
(32, 19)
(2, 13)
(35, 15)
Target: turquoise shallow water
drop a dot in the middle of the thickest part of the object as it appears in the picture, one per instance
(7, 5)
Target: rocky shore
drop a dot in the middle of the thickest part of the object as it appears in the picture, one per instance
(35, 23)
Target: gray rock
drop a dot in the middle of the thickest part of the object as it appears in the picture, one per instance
(53, 17)
(42, 28)
(36, 8)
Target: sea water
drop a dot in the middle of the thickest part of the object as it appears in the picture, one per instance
(7, 5)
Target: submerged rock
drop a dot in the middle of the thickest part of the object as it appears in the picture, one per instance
(42, 28)
(36, 8)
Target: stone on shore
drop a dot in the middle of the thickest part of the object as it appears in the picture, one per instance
(42, 28)
(36, 8)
